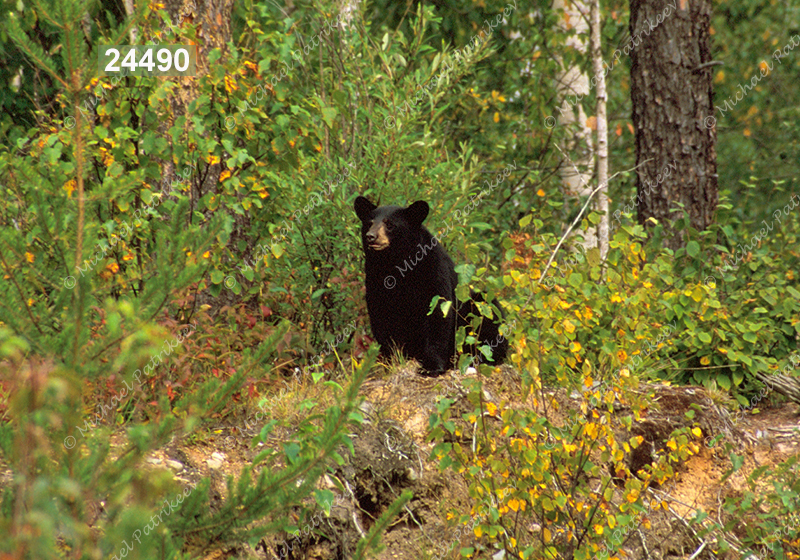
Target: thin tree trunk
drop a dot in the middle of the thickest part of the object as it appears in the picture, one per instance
(602, 130)
(672, 94)
(130, 8)
(573, 86)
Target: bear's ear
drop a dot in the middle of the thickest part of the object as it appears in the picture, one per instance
(417, 212)
(363, 208)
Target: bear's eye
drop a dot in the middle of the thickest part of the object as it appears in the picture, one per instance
(389, 226)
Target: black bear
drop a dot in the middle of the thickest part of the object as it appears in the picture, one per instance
(405, 269)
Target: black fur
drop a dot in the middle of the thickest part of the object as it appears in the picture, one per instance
(405, 268)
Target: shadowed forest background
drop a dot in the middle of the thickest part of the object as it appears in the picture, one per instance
(186, 365)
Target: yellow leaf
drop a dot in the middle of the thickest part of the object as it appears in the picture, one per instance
(478, 532)
(622, 355)
(720, 77)
(496, 116)
(722, 350)
(230, 84)
(697, 432)
(224, 175)
(29, 256)
(598, 529)
(672, 445)
(548, 536)
(513, 504)
(206, 254)
(568, 326)
(69, 186)
(491, 408)
(575, 347)
(591, 122)
(705, 361)
(747, 132)
(540, 192)
(112, 267)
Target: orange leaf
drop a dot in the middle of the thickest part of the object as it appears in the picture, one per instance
(591, 122)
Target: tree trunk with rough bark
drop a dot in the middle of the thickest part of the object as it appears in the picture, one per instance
(672, 94)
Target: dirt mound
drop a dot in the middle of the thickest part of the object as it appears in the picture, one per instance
(391, 454)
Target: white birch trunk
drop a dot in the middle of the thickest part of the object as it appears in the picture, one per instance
(602, 130)
(573, 86)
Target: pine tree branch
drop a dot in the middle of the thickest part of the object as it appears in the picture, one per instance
(21, 295)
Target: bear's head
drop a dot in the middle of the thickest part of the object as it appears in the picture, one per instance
(390, 228)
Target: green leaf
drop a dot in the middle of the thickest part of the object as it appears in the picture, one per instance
(705, 338)
(693, 248)
(217, 277)
(575, 280)
(328, 115)
(446, 307)
(324, 499)
(292, 451)
(318, 293)
(593, 256)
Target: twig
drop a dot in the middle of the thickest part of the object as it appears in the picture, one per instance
(698, 551)
(707, 65)
(413, 517)
(580, 214)
(355, 512)
(682, 520)
(644, 543)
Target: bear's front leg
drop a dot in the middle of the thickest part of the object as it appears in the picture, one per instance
(440, 343)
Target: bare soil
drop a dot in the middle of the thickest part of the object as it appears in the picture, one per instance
(393, 455)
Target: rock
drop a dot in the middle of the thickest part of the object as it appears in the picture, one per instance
(216, 460)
